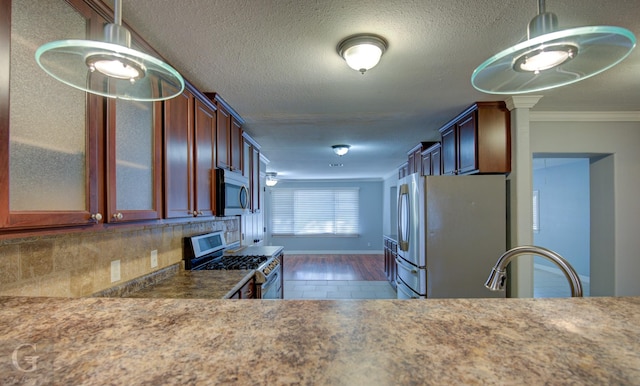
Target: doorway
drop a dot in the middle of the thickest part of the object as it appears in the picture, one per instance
(561, 221)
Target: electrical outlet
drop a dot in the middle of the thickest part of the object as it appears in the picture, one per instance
(115, 270)
(154, 258)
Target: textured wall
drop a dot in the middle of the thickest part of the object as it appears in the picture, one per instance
(79, 264)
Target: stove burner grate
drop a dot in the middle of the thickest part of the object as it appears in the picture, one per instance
(235, 262)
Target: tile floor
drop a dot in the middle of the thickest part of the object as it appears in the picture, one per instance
(546, 285)
(338, 289)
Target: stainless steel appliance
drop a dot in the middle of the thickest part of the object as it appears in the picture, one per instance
(232, 195)
(210, 252)
(450, 229)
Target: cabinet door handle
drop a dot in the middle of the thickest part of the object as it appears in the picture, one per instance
(96, 217)
(117, 216)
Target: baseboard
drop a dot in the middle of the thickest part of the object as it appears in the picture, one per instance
(346, 252)
(557, 271)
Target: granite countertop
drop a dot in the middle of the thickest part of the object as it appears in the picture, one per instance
(197, 285)
(350, 342)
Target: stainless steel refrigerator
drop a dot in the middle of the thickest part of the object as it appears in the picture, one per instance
(451, 231)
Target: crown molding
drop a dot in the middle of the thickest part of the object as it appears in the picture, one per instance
(584, 116)
(522, 101)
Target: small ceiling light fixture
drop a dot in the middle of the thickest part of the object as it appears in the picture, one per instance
(341, 149)
(362, 52)
(110, 68)
(552, 58)
(271, 179)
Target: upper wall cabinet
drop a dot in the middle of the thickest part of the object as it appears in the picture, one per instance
(190, 127)
(134, 145)
(251, 169)
(49, 153)
(432, 160)
(228, 135)
(414, 157)
(478, 140)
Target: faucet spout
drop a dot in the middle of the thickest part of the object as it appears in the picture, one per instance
(498, 277)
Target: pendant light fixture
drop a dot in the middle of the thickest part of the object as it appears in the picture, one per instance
(362, 52)
(552, 58)
(341, 149)
(110, 68)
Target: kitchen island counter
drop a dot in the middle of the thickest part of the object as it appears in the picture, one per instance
(351, 342)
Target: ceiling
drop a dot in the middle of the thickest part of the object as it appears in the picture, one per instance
(275, 62)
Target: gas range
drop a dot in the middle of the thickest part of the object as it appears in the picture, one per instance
(210, 252)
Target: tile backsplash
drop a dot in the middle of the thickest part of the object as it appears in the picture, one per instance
(79, 264)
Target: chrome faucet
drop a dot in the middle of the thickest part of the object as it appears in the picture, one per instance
(498, 277)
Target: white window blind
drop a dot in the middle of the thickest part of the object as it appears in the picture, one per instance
(315, 211)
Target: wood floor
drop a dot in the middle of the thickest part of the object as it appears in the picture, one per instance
(334, 267)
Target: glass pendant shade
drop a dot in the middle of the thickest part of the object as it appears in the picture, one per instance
(362, 52)
(111, 68)
(552, 58)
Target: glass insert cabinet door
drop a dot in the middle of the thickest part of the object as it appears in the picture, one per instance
(47, 138)
(134, 151)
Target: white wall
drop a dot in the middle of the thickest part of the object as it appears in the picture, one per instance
(389, 214)
(596, 133)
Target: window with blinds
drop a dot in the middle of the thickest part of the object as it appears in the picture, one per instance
(315, 212)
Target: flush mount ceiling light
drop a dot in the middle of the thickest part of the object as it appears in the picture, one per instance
(341, 149)
(110, 68)
(362, 52)
(271, 179)
(552, 58)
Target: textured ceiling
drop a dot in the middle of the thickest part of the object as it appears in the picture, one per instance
(275, 62)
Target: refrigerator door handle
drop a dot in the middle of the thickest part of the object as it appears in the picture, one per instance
(409, 295)
(406, 267)
(404, 219)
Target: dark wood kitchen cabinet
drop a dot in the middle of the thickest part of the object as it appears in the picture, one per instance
(134, 148)
(390, 253)
(251, 170)
(189, 135)
(50, 166)
(70, 158)
(228, 135)
(477, 140)
(431, 160)
(247, 291)
(414, 158)
(403, 170)
(81, 159)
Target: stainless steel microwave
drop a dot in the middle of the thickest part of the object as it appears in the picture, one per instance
(232, 195)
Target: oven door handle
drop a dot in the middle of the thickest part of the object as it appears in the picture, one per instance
(269, 286)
